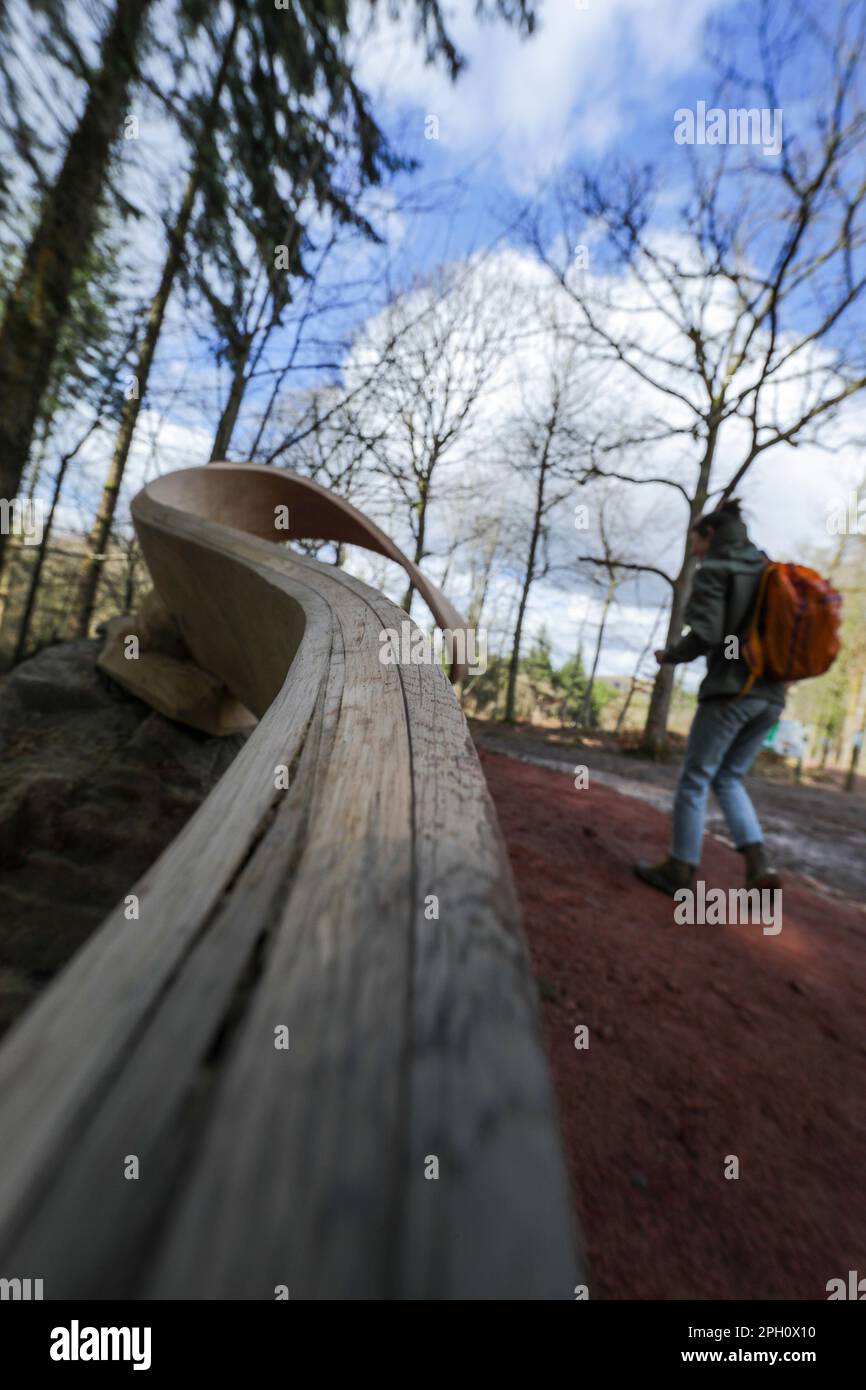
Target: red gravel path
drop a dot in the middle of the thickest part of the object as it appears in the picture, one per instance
(705, 1041)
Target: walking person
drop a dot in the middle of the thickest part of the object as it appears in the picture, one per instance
(729, 727)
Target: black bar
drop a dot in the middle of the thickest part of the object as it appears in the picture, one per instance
(250, 1339)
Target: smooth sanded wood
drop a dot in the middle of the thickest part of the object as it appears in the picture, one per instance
(413, 1036)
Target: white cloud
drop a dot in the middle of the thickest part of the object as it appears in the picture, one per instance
(539, 100)
(786, 494)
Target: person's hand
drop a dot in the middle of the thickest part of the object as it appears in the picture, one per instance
(660, 655)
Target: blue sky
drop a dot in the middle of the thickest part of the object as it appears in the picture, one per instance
(599, 82)
(590, 83)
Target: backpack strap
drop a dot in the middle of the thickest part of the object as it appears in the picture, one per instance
(753, 634)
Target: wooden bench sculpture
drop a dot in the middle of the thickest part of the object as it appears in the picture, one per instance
(318, 998)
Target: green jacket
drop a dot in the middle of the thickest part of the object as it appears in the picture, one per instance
(720, 606)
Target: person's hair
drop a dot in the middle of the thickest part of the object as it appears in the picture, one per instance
(711, 521)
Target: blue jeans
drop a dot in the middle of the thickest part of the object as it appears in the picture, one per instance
(723, 743)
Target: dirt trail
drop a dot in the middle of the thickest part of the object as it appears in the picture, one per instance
(705, 1041)
(819, 831)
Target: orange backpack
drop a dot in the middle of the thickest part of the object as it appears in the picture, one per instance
(794, 629)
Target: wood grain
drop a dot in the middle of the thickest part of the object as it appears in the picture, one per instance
(410, 1037)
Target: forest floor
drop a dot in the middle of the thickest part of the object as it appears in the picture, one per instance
(705, 1042)
(814, 827)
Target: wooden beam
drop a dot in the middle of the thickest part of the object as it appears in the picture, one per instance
(413, 1036)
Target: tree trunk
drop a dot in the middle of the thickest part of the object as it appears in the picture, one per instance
(129, 585)
(851, 779)
(479, 597)
(423, 498)
(529, 575)
(621, 717)
(229, 418)
(9, 561)
(856, 708)
(585, 717)
(655, 735)
(35, 577)
(828, 739)
(39, 303)
(514, 663)
(91, 568)
(636, 676)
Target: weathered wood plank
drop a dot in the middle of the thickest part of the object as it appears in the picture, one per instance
(411, 1036)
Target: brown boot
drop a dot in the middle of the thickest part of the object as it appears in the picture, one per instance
(669, 876)
(759, 872)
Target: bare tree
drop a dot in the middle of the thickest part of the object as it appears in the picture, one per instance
(612, 581)
(548, 445)
(736, 325)
(429, 366)
(648, 646)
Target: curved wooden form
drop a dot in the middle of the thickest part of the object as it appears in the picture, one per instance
(363, 915)
(252, 498)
